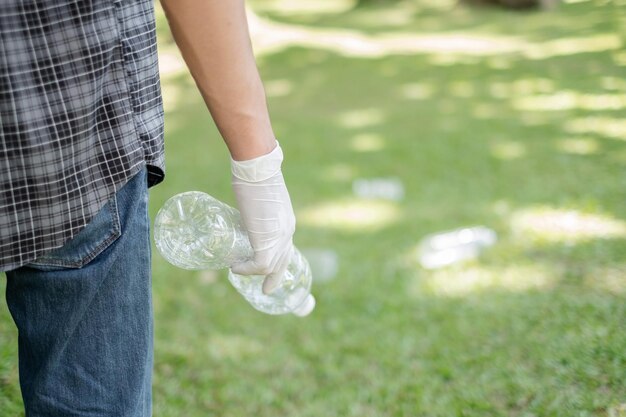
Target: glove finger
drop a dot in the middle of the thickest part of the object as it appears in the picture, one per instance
(276, 278)
(246, 268)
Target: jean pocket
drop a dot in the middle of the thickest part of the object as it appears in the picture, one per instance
(103, 229)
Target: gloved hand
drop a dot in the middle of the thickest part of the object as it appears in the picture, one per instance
(267, 214)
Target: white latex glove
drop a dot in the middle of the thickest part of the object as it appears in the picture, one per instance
(267, 215)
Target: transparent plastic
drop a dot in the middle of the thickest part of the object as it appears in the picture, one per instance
(446, 248)
(196, 231)
(383, 188)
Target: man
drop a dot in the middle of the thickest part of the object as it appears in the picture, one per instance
(81, 140)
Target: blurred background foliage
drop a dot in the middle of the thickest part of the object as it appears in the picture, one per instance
(509, 119)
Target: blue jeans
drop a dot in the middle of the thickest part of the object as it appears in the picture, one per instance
(84, 316)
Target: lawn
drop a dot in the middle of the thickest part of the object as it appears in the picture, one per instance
(512, 120)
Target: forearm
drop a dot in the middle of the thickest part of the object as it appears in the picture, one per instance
(214, 40)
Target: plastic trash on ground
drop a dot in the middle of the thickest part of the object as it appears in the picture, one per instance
(446, 248)
(383, 188)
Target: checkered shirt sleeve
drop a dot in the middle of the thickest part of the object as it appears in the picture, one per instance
(80, 114)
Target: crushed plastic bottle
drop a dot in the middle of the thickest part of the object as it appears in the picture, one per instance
(446, 248)
(195, 231)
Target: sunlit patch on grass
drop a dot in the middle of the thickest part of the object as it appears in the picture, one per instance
(367, 142)
(501, 207)
(532, 85)
(547, 224)
(507, 150)
(223, 346)
(271, 37)
(361, 118)
(278, 88)
(521, 87)
(578, 146)
(566, 100)
(172, 95)
(287, 7)
(608, 278)
(446, 60)
(441, 5)
(339, 172)
(460, 280)
(614, 128)
(570, 46)
(462, 89)
(613, 83)
(484, 110)
(535, 118)
(416, 91)
(351, 215)
(171, 63)
(458, 43)
(499, 90)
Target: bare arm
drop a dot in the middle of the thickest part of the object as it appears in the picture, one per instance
(214, 40)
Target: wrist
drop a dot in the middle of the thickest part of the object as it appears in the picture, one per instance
(259, 168)
(250, 147)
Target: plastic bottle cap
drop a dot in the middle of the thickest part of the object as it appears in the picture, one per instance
(306, 307)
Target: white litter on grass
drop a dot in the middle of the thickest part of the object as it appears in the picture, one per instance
(324, 263)
(383, 188)
(446, 248)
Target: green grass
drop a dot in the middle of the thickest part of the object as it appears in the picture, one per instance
(529, 147)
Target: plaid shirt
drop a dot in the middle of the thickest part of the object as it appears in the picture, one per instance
(80, 114)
